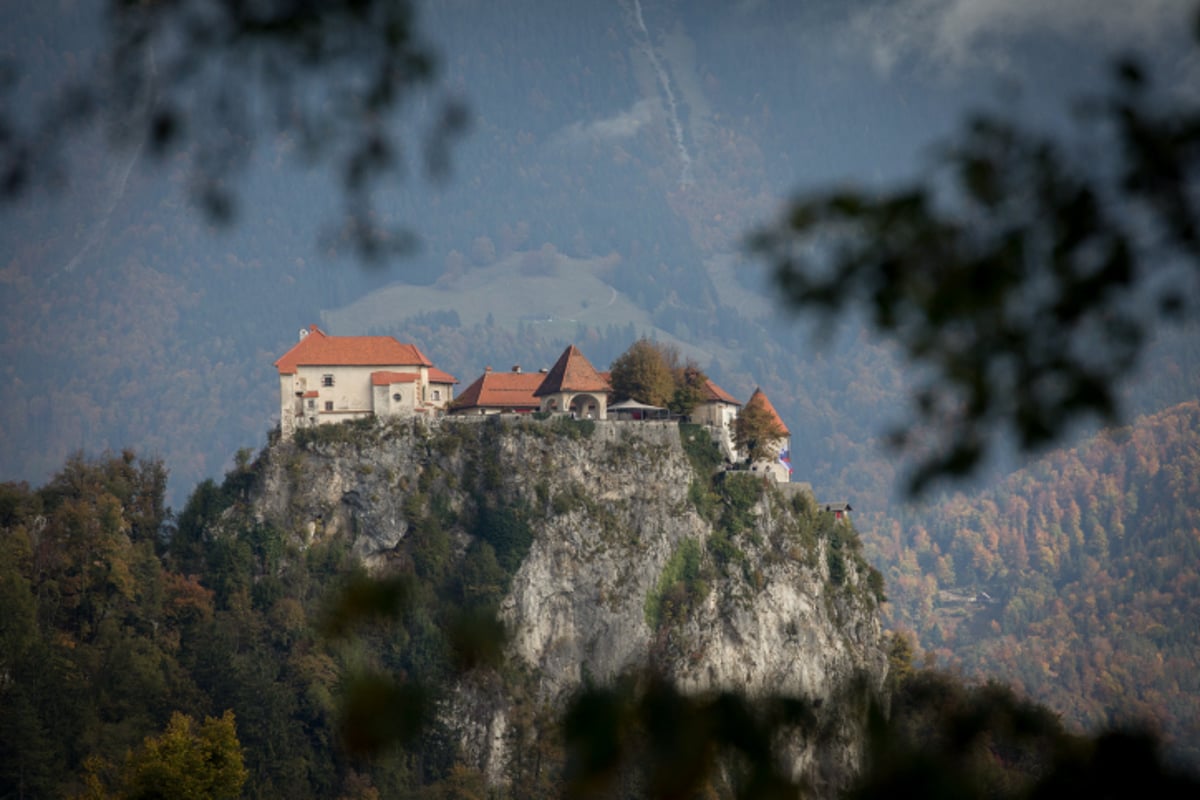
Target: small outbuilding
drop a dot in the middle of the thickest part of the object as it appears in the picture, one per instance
(500, 393)
(841, 511)
(574, 386)
(632, 409)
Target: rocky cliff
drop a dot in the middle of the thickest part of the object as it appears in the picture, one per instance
(617, 546)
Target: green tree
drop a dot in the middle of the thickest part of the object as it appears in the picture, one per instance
(900, 659)
(188, 761)
(29, 756)
(689, 388)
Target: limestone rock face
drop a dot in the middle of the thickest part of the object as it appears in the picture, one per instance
(609, 505)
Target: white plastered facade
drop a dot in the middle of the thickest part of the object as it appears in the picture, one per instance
(317, 395)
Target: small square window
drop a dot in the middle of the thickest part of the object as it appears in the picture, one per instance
(312, 403)
(327, 380)
(329, 405)
(437, 394)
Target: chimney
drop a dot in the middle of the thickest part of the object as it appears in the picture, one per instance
(487, 369)
(517, 368)
(544, 370)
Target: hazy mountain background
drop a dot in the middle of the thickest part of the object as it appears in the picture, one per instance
(618, 153)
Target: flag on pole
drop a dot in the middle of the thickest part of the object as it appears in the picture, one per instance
(785, 459)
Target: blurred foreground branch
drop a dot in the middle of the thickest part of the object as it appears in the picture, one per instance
(1020, 281)
(210, 78)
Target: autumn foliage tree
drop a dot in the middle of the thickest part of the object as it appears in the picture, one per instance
(653, 373)
(758, 432)
(641, 373)
(188, 761)
(1090, 560)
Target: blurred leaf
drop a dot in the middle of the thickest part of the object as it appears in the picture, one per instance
(476, 639)
(1022, 283)
(380, 712)
(366, 599)
(677, 743)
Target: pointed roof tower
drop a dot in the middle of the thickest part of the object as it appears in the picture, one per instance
(759, 399)
(572, 373)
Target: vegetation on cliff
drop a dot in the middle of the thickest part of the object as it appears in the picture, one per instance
(119, 615)
(123, 624)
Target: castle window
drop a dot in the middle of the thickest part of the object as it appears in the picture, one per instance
(397, 397)
(329, 405)
(437, 394)
(327, 380)
(312, 403)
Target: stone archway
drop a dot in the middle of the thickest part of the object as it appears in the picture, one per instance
(587, 406)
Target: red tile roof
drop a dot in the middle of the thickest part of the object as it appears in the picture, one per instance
(385, 378)
(572, 373)
(715, 394)
(437, 376)
(501, 390)
(319, 349)
(312, 393)
(759, 398)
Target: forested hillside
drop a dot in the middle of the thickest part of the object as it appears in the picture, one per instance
(1077, 579)
(140, 655)
(122, 623)
(111, 624)
(117, 617)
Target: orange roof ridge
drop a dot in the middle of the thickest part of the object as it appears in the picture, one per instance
(319, 349)
(501, 389)
(425, 362)
(386, 378)
(572, 373)
(440, 376)
(713, 392)
(760, 398)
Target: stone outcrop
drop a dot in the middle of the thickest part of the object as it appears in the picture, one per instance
(609, 505)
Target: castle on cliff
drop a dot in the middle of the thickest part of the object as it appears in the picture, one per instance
(326, 379)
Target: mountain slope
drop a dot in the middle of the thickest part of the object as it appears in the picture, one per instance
(1077, 579)
(610, 551)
